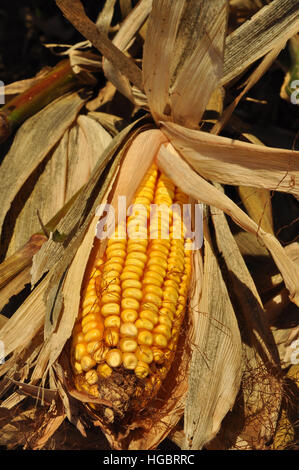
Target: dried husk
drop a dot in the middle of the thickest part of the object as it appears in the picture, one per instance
(26, 155)
(215, 368)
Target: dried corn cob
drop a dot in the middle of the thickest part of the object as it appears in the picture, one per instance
(133, 304)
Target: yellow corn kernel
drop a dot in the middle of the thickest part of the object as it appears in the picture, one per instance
(129, 303)
(158, 355)
(131, 283)
(165, 311)
(150, 306)
(142, 369)
(135, 262)
(111, 336)
(78, 368)
(152, 278)
(80, 351)
(160, 340)
(130, 361)
(104, 370)
(152, 298)
(144, 353)
(154, 290)
(129, 275)
(149, 315)
(144, 324)
(93, 335)
(92, 347)
(128, 330)
(171, 294)
(90, 300)
(112, 321)
(145, 337)
(88, 318)
(100, 354)
(127, 345)
(165, 320)
(87, 362)
(114, 358)
(112, 266)
(89, 326)
(129, 315)
(112, 308)
(132, 293)
(78, 338)
(133, 268)
(163, 329)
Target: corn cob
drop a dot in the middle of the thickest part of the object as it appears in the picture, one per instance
(133, 304)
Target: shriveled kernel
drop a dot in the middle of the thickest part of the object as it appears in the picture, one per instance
(144, 323)
(130, 361)
(128, 345)
(142, 369)
(100, 354)
(93, 335)
(111, 308)
(114, 358)
(129, 330)
(93, 346)
(144, 353)
(87, 362)
(158, 355)
(145, 337)
(111, 336)
(91, 377)
(112, 321)
(104, 370)
(129, 315)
